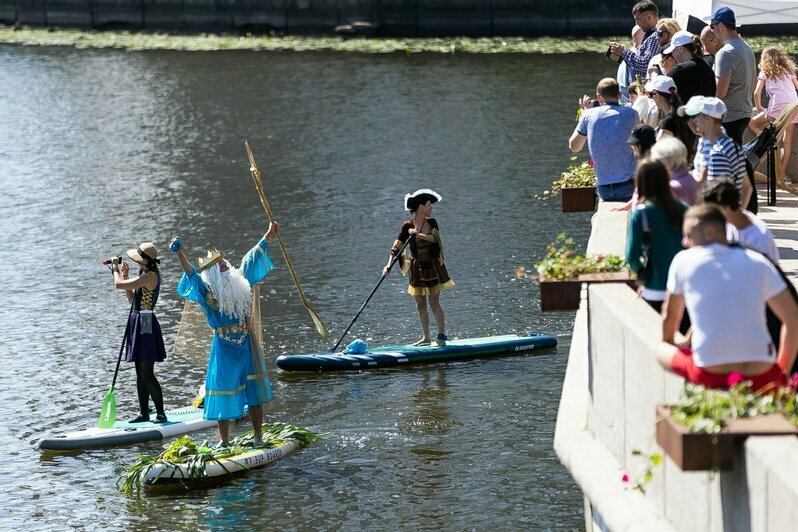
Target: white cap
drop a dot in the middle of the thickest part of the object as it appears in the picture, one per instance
(680, 38)
(702, 105)
(661, 84)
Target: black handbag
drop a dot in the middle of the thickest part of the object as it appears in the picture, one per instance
(756, 148)
(645, 249)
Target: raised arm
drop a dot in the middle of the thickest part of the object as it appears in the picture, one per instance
(177, 247)
(577, 141)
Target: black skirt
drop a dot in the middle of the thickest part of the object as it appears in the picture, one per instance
(144, 343)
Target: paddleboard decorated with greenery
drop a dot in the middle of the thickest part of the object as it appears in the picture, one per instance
(188, 463)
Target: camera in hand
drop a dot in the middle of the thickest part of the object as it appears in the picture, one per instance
(612, 56)
(106, 262)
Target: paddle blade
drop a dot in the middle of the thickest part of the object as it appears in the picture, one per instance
(319, 324)
(108, 412)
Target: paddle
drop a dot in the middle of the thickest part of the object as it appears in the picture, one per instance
(108, 411)
(393, 261)
(253, 169)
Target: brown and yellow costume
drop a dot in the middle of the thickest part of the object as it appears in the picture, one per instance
(427, 269)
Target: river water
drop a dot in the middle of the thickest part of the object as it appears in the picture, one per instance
(103, 149)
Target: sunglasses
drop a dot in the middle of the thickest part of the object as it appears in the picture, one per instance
(660, 33)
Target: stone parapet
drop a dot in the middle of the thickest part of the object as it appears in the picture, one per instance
(612, 386)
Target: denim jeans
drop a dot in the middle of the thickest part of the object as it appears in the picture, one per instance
(617, 191)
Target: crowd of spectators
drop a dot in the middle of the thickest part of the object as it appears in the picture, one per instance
(672, 153)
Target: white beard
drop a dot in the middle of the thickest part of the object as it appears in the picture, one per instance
(231, 290)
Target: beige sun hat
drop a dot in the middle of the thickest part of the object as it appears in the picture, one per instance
(211, 257)
(146, 253)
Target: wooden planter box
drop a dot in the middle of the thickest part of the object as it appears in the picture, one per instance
(564, 295)
(706, 452)
(578, 199)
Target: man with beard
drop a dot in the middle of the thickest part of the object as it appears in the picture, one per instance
(236, 370)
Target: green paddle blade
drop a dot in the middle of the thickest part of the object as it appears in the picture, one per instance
(108, 412)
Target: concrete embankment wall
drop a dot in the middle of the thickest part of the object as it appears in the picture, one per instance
(385, 17)
(610, 393)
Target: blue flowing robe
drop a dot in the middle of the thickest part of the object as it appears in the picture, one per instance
(232, 383)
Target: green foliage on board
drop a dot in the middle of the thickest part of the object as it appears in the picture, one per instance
(193, 456)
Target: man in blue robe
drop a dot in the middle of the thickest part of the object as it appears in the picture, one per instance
(236, 377)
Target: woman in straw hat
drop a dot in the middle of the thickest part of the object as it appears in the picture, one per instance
(428, 275)
(144, 339)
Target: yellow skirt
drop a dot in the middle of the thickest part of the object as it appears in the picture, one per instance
(429, 290)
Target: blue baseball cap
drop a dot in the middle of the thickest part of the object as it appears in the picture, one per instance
(724, 15)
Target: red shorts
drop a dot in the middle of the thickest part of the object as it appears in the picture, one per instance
(684, 365)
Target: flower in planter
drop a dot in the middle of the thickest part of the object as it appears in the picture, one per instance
(705, 410)
(576, 175)
(734, 378)
(563, 262)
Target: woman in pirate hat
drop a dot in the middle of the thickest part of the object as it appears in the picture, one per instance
(425, 264)
(144, 339)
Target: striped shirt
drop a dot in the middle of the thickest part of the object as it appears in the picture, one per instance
(727, 159)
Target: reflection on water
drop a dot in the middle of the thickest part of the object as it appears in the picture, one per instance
(104, 149)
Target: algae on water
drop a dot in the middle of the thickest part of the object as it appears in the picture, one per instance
(211, 42)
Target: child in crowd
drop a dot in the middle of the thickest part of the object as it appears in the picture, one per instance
(777, 76)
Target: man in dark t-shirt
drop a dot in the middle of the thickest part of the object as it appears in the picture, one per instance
(692, 75)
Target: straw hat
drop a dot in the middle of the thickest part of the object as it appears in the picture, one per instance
(420, 197)
(211, 257)
(144, 254)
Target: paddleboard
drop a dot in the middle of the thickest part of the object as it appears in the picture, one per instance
(403, 355)
(161, 474)
(179, 421)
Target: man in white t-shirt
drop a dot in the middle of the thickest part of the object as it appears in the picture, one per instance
(725, 290)
(743, 227)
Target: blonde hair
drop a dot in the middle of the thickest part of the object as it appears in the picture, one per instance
(671, 152)
(670, 25)
(775, 63)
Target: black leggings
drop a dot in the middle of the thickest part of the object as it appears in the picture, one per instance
(147, 386)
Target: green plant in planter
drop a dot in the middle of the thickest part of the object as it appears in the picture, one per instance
(563, 262)
(705, 410)
(577, 175)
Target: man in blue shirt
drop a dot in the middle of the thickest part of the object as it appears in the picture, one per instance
(646, 16)
(605, 129)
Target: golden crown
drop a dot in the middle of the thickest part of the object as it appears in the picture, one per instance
(212, 257)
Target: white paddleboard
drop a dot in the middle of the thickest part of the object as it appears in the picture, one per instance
(180, 421)
(161, 474)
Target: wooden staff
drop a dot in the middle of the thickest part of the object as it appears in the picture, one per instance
(253, 170)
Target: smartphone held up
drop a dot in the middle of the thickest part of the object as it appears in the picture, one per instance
(612, 56)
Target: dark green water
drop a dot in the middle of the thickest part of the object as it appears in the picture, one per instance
(103, 149)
